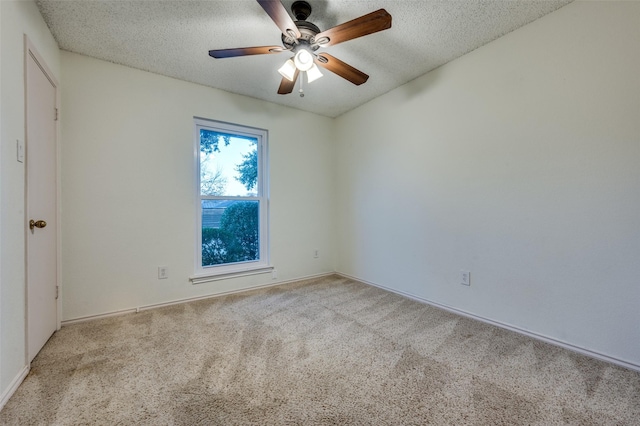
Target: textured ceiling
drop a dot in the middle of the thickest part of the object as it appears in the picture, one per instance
(173, 38)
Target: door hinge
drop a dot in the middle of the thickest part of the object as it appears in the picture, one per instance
(57, 291)
(56, 114)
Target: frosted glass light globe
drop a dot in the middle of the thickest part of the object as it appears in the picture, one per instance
(303, 60)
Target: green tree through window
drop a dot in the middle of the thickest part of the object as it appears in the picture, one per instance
(232, 197)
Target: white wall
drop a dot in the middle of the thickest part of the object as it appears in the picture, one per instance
(128, 186)
(518, 162)
(18, 18)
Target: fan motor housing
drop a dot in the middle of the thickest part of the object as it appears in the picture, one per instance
(301, 11)
(308, 31)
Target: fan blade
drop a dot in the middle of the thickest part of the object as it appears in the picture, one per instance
(364, 25)
(340, 68)
(286, 85)
(244, 51)
(280, 16)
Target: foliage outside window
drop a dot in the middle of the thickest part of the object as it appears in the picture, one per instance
(232, 214)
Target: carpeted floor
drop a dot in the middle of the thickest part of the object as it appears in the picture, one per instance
(328, 351)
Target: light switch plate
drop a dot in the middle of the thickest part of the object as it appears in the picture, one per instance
(20, 150)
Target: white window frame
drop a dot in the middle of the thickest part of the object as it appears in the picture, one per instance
(262, 265)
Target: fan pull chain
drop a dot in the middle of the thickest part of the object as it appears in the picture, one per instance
(301, 90)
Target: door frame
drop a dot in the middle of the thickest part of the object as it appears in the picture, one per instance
(31, 51)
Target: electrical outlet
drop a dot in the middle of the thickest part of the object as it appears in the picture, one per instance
(316, 253)
(163, 272)
(465, 278)
(274, 274)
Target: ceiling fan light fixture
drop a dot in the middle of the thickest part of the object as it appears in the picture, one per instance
(303, 38)
(303, 60)
(288, 70)
(313, 73)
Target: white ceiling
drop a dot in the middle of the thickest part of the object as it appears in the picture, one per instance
(173, 38)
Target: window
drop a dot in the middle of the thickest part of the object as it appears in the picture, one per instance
(233, 206)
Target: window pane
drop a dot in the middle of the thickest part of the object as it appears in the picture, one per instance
(230, 231)
(228, 164)
(232, 188)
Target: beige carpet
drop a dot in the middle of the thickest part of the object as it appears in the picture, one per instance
(329, 351)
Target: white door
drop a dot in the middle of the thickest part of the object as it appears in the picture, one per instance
(42, 244)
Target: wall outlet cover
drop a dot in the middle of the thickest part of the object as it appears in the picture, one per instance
(163, 272)
(465, 277)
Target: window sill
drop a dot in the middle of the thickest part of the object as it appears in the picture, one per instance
(216, 276)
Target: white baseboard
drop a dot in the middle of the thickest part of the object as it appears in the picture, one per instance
(553, 341)
(17, 381)
(190, 299)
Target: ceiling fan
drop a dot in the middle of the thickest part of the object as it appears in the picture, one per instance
(303, 39)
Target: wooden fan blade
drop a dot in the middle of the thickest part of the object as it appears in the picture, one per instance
(286, 85)
(364, 25)
(340, 68)
(244, 51)
(280, 16)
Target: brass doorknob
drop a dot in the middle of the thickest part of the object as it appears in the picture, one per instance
(37, 224)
